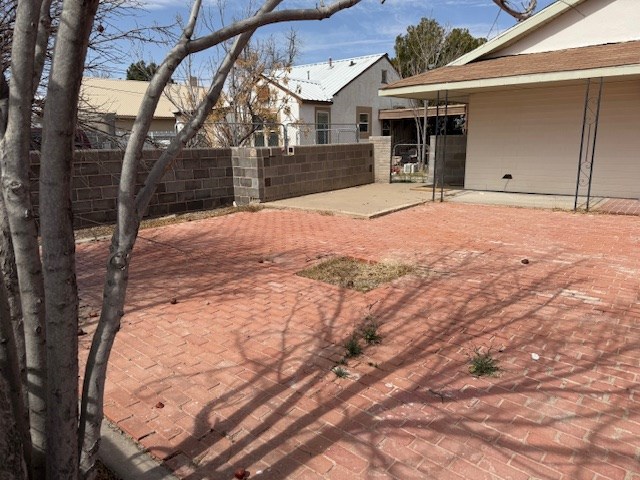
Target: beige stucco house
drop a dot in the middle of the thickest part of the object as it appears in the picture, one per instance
(111, 105)
(557, 90)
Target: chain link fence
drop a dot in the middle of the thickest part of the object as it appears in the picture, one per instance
(227, 134)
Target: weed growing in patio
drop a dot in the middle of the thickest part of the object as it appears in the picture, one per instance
(370, 333)
(340, 372)
(356, 274)
(483, 364)
(353, 346)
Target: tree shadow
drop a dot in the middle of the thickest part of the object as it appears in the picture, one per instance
(268, 400)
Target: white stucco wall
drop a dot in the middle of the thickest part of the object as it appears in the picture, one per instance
(534, 135)
(593, 22)
(363, 92)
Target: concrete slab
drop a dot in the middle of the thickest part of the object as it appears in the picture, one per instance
(529, 200)
(365, 201)
(377, 199)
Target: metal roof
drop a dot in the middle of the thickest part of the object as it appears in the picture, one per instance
(319, 82)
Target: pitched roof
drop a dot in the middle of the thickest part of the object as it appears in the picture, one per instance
(569, 60)
(518, 31)
(320, 82)
(124, 97)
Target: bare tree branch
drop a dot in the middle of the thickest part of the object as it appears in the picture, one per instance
(520, 13)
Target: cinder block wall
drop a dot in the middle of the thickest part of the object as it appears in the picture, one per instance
(248, 174)
(198, 179)
(267, 174)
(455, 161)
(382, 155)
(318, 168)
(201, 179)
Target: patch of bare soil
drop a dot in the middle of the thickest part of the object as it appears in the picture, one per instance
(102, 231)
(355, 274)
(103, 473)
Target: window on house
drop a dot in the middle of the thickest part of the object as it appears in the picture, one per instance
(364, 116)
(363, 122)
(323, 122)
(384, 76)
(258, 135)
(386, 128)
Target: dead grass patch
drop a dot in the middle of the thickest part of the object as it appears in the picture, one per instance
(355, 274)
(107, 230)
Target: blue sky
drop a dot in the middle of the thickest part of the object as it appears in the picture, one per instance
(365, 29)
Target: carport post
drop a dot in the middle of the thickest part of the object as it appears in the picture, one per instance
(585, 164)
(593, 148)
(444, 147)
(435, 147)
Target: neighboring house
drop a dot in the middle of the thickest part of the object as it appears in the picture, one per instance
(526, 91)
(111, 105)
(335, 101)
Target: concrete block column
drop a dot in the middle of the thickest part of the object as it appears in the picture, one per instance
(382, 159)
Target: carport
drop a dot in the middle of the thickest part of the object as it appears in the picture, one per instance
(559, 121)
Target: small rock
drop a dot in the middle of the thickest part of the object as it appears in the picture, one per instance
(535, 356)
(173, 301)
(241, 474)
(81, 332)
(525, 261)
(159, 405)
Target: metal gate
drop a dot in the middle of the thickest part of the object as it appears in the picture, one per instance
(406, 164)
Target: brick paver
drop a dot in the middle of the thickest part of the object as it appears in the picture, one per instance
(237, 372)
(620, 206)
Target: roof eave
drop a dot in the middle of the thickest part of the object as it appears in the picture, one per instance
(382, 56)
(518, 31)
(430, 91)
(317, 102)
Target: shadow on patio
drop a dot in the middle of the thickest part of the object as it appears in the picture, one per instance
(237, 372)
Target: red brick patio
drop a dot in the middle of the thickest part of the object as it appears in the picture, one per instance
(237, 373)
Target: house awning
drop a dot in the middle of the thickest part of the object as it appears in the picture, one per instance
(403, 113)
(616, 60)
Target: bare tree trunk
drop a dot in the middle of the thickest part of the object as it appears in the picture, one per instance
(117, 275)
(13, 355)
(131, 209)
(11, 290)
(13, 464)
(58, 247)
(15, 190)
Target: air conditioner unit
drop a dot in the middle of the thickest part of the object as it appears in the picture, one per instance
(410, 168)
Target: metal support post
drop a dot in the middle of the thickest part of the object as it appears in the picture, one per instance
(590, 120)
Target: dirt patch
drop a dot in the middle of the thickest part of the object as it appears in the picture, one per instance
(107, 230)
(355, 274)
(103, 473)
